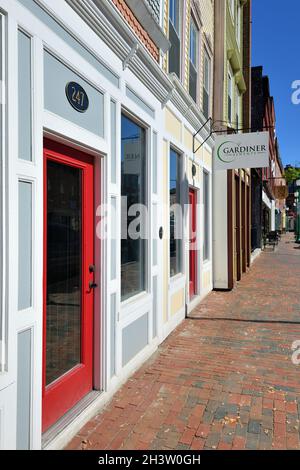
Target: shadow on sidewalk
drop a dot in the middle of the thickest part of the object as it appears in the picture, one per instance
(284, 322)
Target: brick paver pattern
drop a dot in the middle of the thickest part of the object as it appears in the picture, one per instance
(224, 379)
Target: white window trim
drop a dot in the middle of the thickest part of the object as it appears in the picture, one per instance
(3, 338)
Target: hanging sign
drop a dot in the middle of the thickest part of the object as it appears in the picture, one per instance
(281, 192)
(77, 97)
(241, 151)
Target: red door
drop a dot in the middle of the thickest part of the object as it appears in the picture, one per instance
(193, 242)
(68, 272)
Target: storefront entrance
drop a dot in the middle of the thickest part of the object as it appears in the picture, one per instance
(192, 242)
(238, 248)
(68, 279)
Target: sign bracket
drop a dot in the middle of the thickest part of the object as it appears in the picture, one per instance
(228, 130)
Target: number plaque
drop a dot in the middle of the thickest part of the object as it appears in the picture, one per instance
(77, 97)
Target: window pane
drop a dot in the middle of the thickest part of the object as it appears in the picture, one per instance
(174, 14)
(193, 43)
(174, 52)
(206, 73)
(24, 63)
(25, 245)
(206, 216)
(175, 214)
(206, 85)
(229, 97)
(64, 269)
(133, 164)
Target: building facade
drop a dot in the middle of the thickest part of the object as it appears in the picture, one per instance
(97, 125)
(268, 212)
(231, 113)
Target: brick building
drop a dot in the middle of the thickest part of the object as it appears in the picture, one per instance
(231, 112)
(264, 203)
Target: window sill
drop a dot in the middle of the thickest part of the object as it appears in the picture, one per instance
(135, 298)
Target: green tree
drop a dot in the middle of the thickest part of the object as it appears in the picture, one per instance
(291, 174)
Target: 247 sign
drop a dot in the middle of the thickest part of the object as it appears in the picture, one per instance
(241, 151)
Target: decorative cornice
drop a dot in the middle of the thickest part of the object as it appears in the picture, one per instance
(107, 22)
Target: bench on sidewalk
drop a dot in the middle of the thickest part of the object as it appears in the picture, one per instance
(271, 238)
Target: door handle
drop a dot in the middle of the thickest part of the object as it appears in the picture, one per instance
(92, 285)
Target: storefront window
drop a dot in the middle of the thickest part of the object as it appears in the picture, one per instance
(175, 214)
(133, 192)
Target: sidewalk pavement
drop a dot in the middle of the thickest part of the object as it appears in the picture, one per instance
(224, 379)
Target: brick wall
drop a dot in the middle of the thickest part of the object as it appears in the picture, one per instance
(137, 28)
(247, 34)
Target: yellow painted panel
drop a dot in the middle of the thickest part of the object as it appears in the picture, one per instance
(198, 179)
(188, 139)
(207, 158)
(199, 152)
(173, 124)
(177, 301)
(206, 279)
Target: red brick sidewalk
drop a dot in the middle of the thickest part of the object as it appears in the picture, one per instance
(223, 379)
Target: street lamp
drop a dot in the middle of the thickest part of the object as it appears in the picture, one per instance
(297, 200)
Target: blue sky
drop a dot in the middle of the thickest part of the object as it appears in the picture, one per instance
(276, 46)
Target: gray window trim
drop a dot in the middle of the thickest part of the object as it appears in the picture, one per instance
(3, 318)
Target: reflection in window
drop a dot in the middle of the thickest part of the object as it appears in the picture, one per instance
(229, 98)
(174, 37)
(193, 59)
(175, 214)
(206, 84)
(64, 269)
(133, 164)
